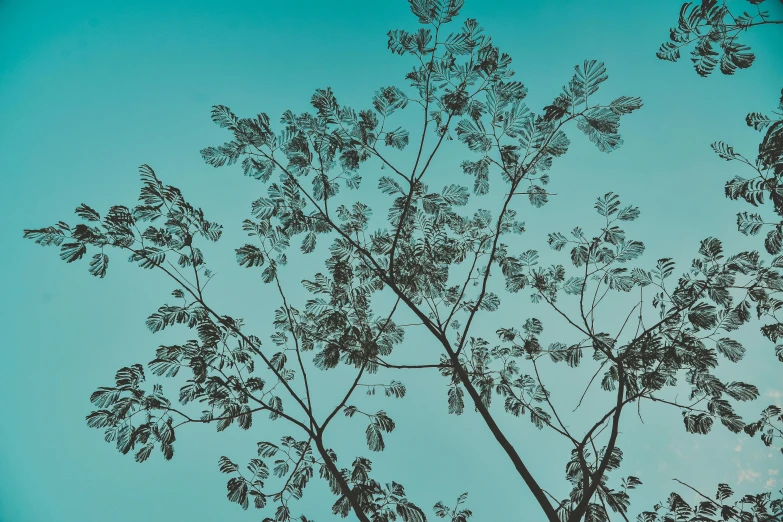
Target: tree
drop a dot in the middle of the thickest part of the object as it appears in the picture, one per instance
(439, 257)
(714, 28)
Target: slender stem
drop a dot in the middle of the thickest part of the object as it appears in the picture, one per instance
(296, 344)
(577, 514)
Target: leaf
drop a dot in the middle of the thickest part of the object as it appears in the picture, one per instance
(630, 250)
(529, 258)
(456, 403)
(409, 512)
(456, 195)
(424, 10)
(618, 501)
(480, 171)
(283, 514)
(697, 423)
(278, 360)
(573, 285)
(594, 130)
(724, 151)
(490, 302)
(758, 121)
(383, 421)
(149, 257)
(539, 417)
(735, 56)
(144, 453)
(375, 438)
(70, 252)
(537, 195)
(664, 268)
(724, 492)
(167, 450)
(751, 190)
(749, 224)
(608, 204)
(104, 397)
(730, 349)
(628, 213)
(250, 256)
(223, 117)
(87, 213)
(99, 419)
(226, 466)
(129, 377)
(668, 51)
(400, 41)
(267, 449)
(625, 105)
(166, 367)
(395, 389)
(773, 332)
(631, 482)
(237, 491)
(99, 264)
(711, 249)
(703, 316)
(258, 168)
(397, 139)
(590, 76)
(703, 58)
(259, 500)
(732, 422)
(226, 154)
(276, 404)
(245, 418)
(47, 236)
(474, 137)
(268, 275)
(774, 240)
(280, 469)
(596, 513)
(741, 391)
(308, 243)
(771, 411)
(557, 240)
(640, 277)
(457, 44)
(324, 101)
(617, 280)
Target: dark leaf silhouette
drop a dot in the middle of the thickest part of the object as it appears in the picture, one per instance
(438, 260)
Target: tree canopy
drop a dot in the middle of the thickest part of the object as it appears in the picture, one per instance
(349, 189)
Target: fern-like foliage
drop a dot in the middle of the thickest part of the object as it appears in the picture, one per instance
(447, 258)
(712, 28)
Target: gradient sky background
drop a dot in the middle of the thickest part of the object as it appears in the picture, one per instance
(91, 90)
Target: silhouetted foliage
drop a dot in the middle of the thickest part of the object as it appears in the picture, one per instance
(435, 252)
(749, 508)
(762, 187)
(714, 27)
(765, 182)
(707, 25)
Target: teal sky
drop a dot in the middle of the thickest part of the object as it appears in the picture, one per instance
(92, 90)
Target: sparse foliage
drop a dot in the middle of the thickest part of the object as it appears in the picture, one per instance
(714, 28)
(441, 258)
